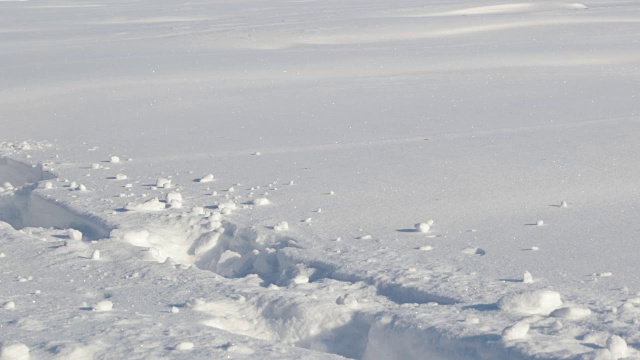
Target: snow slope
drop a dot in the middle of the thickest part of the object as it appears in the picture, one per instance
(457, 179)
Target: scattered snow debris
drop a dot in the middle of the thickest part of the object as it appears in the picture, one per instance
(227, 204)
(319, 210)
(339, 238)
(425, 248)
(95, 255)
(149, 205)
(516, 331)
(423, 227)
(121, 177)
(571, 313)
(115, 160)
(73, 185)
(207, 178)
(48, 185)
(281, 226)
(290, 183)
(9, 305)
(163, 183)
(174, 196)
(474, 251)
(16, 351)
(539, 223)
(563, 204)
(538, 302)
(81, 187)
(257, 153)
(365, 237)
(430, 222)
(103, 306)
(618, 347)
(2, 255)
(128, 186)
(348, 300)
(175, 204)
(74, 234)
(534, 248)
(527, 278)
(231, 189)
(261, 201)
(175, 310)
(214, 193)
(95, 166)
(307, 220)
(331, 193)
(185, 346)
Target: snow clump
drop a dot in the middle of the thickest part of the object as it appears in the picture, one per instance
(423, 227)
(539, 302)
(618, 347)
(207, 178)
(516, 331)
(95, 255)
(261, 201)
(149, 205)
(163, 183)
(74, 234)
(571, 312)
(185, 346)
(527, 278)
(121, 177)
(16, 351)
(103, 306)
(281, 226)
(115, 159)
(9, 305)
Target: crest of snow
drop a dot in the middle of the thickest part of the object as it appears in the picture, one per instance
(163, 183)
(115, 159)
(423, 227)
(74, 234)
(185, 346)
(281, 226)
(516, 331)
(16, 351)
(207, 178)
(149, 205)
(618, 347)
(571, 312)
(103, 306)
(261, 201)
(538, 302)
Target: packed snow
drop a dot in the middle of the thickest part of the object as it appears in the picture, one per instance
(514, 126)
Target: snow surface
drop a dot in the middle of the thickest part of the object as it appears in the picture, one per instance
(513, 125)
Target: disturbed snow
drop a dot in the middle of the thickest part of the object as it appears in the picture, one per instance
(276, 179)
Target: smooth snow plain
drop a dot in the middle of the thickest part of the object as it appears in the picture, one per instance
(319, 179)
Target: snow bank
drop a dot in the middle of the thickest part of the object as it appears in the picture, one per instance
(539, 302)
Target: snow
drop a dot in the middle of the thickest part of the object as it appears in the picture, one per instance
(481, 114)
(17, 351)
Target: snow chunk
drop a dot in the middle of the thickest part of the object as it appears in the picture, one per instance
(571, 312)
(174, 310)
(539, 302)
(365, 237)
(163, 183)
(121, 177)
(423, 227)
(185, 346)
(527, 278)
(149, 205)
(9, 305)
(2, 255)
(261, 201)
(48, 185)
(563, 204)
(425, 248)
(539, 223)
(103, 306)
(115, 159)
(95, 255)
(173, 196)
(16, 351)
(281, 226)
(516, 331)
(74, 234)
(618, 347)
(207, 178)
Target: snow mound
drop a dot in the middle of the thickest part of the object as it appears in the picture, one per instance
(539, 302)
(618, 347)
(16, 351)
(571, 312)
